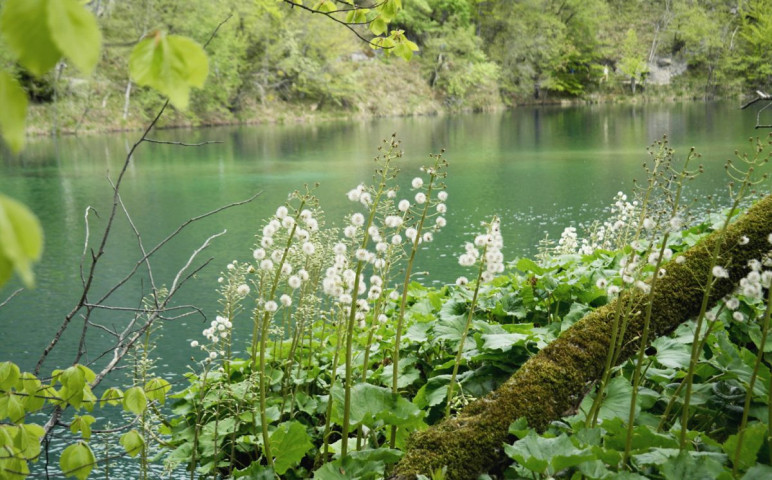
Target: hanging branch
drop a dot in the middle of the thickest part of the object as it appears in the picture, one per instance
(760, 97)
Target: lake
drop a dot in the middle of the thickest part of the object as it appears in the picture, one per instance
(539, 169)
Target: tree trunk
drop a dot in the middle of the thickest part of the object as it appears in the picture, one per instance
(553, 382)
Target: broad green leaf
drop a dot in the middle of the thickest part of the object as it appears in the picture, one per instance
(504, 341)
(21, 239)
(11, 407)
(134, 400)
(170, 64)
(27, 440)
(358, 15)
(75, 32)
(371, 403)
(73, 379)
(403, 47)
(13, 115)
(156, 389)
(758, 472)
(378, 25)
(671, 353)
(77, 460)
(325, 6)
(289, 442)
(132, 442)
(82, 424)
(753, 438)
(14, 468)
(111, 396)
(551, 455)
(688, 467)
(9, 375)
(24, 25)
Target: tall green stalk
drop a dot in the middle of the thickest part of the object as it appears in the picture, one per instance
(751, 384)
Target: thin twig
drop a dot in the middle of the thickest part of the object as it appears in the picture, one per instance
(18, 291)
(182, 144)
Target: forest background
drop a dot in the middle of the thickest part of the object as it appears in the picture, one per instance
(274, 63)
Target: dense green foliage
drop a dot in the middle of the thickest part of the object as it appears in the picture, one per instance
(273, 62)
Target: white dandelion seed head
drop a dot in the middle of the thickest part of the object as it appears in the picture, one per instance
(417, 182)
(285, 300)
(442, 208)
(720, 272)
(420, 198)
(442, 196)
(266, 264)
(738, 316)
(440, 221)
(243, 290)
(281, 212)
(396, 239)
(404, 205)
(288, 222)
(194, 344)
(461, 281)
(266, 242)
(271, 306)
(308, 248)
(350, 231)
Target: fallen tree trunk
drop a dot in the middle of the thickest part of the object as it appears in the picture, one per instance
(553, 382)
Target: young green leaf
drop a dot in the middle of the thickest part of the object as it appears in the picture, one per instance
(9, 375)
(156, 389)
(170, 64)
(111, 396)
(21, 240)
(75, 32)
(133, 442)
(77, 461)
(24, 25)
(13, 115)
(134, 400)
(82, 424)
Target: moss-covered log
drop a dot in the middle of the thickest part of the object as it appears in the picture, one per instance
(553, 382)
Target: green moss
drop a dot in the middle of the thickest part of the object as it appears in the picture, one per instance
(553, 382)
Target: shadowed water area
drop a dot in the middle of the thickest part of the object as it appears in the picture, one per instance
(539, 169)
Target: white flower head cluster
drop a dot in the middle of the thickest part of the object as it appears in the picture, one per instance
(491, 244)
(753, 285)
(219, 328)
(360, 195)
(277, 252)
(568, 241)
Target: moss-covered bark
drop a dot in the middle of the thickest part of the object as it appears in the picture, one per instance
(553, 382)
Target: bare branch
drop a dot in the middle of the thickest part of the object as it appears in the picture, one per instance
(10, 297)
(182, 144)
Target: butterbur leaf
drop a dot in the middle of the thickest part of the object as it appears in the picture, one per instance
(290, 442)
(75, 32)
(77, 461)
(24, 26)
(753, 438)
(551, 455)
(134, 400)
(171, 64)
(21, 240)
(132, 442)
(13, 115)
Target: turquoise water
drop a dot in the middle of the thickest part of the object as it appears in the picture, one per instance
(539, 169)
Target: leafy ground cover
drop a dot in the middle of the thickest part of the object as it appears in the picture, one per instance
(332, 407)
